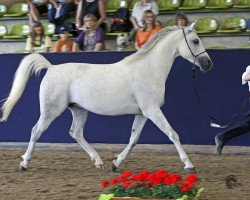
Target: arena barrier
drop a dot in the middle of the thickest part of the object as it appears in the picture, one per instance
(220, 92)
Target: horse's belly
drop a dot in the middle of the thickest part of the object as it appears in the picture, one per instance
(111, 108)
(115, 110)
(112, 104)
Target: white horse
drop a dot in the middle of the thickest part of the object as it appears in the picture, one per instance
(135, 85)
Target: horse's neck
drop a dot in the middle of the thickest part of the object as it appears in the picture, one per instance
(163, 55)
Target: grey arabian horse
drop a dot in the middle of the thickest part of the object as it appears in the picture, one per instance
(134, 85)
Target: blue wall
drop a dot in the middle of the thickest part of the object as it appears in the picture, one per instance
(220, 91)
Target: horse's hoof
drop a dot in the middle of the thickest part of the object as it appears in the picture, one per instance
(190, 170)
(114, 168)
(102, 166)
(23, 168)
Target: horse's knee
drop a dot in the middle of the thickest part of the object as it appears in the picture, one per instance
(35, 134)
(133, 143)
(72, 134)
(133, 140)
(76, 135)
(173, 136)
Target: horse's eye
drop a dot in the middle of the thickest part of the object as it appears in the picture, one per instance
(196, 41)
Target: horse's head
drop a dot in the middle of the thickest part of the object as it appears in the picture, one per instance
(192, 49)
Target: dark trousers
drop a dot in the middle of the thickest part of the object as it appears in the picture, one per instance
(238, 129)
(64, 14)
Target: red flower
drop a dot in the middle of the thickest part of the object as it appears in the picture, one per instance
(192, 177)
(176, 177)
(184, 188)
(172, 178)
(154, 182)
(160, 174)
(168, 181)
(105, 184)
(121, 179)
(126, 174)
(114, 181)
(150, 177)
(126, 184)
(141, 177)
(189, 183)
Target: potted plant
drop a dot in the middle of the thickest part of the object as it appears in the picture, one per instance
(151, 186)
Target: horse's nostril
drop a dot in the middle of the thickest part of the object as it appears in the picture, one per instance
(209, 63)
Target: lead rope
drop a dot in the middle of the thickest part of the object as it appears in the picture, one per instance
(218, 122)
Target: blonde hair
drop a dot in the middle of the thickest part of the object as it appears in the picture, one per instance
(90, 16)
(144, 19)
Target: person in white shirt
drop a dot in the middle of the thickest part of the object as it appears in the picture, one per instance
(238, 129)
(138, 10)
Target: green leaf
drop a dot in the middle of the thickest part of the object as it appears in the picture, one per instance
(198, 194)
(106, 196)
(185, 197)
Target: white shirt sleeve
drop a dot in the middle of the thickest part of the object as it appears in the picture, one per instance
(155, 8)
(134, 10)
(244, 75)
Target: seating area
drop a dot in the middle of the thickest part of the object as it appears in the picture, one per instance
(233, 25)
(230, 25)
(168, 5)
(216, 19)
(17, 10)
(21, 31)
(193, 5)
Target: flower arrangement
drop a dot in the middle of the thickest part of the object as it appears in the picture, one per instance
(146, 185)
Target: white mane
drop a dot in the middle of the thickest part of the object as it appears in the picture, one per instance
(150, 44)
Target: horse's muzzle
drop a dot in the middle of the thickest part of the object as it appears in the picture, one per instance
(205, 63)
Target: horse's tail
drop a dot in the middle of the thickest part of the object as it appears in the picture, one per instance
(31, 63)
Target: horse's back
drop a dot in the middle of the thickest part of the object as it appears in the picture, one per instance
(103, 89)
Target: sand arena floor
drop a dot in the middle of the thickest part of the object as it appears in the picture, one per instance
(66, 172)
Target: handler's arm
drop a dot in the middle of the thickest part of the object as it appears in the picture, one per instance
(247, 77)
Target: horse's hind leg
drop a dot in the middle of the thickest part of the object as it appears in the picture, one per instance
(42, 124)
(76, 132)
(157, 117)
(137, 127)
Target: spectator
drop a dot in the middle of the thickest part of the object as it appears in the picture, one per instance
(76, 2)
(92, 38)
(64, 44)
(59, 11)
(181, 20)
(38, 42)
(94, 7)
(36, 7)
(138, 11)
(148, 30)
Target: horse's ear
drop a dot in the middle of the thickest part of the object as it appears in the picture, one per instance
(192, 26)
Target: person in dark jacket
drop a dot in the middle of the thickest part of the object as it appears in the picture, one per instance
(238, 129)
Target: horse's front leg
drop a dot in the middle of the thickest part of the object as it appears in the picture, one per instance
(157, 117)
(137, 127)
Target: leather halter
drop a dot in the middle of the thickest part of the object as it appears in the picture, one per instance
(189, 46)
